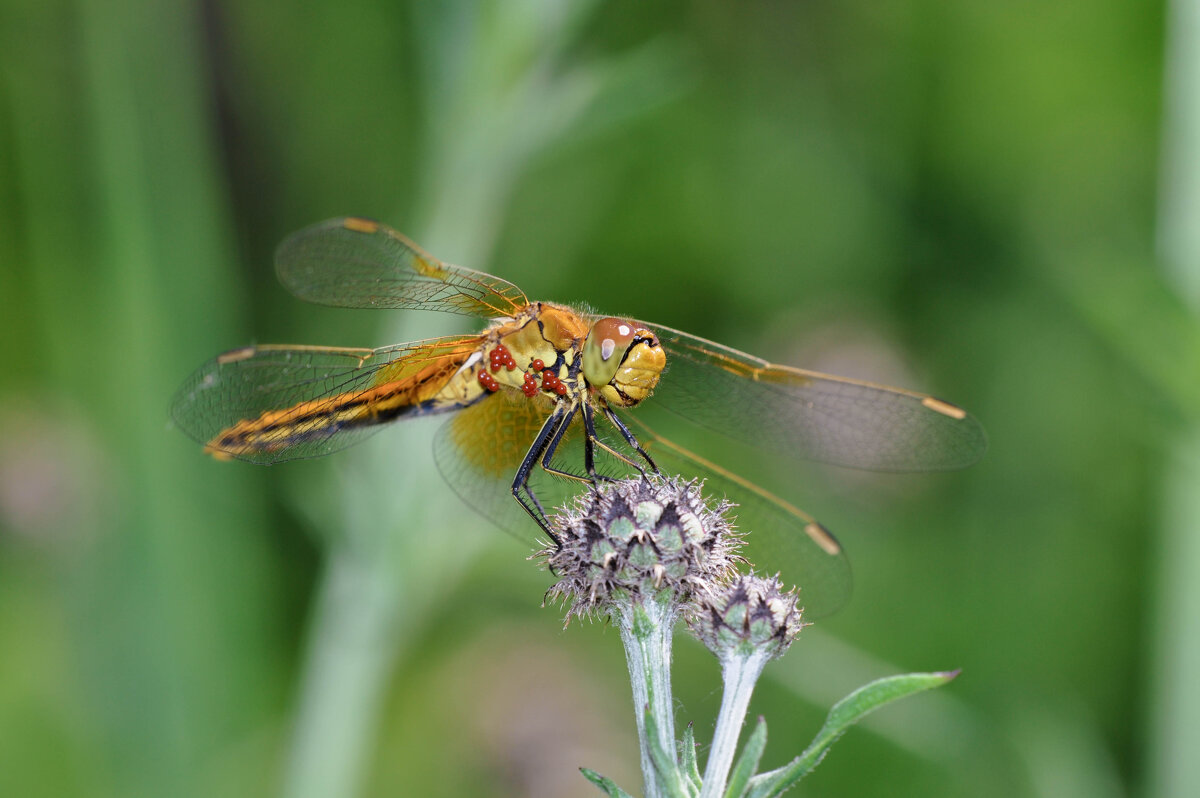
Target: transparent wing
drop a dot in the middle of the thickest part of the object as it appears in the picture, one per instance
(810, 415)
(267, 404)
(778, 536)
(358, 263)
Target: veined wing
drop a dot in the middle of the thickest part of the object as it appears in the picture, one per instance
(811, 415)
(358, 263)
(267, 404)
(778, 536)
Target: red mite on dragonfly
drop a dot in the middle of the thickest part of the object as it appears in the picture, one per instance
(547, 389)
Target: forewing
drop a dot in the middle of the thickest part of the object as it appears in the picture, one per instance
(810, 415)
(312, 393)
(358, 263)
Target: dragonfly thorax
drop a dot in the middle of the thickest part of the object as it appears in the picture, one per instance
(622, 360)
(536, 352)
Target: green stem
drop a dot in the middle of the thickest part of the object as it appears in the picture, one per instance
(740, 673)
(646, 628)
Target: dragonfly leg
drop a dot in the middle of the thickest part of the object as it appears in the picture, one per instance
(542, 451)
(630, 438)
(589, 445)
(520, 486)
(594, 440)
(552, 447)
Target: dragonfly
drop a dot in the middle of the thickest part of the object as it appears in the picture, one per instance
(540, 400)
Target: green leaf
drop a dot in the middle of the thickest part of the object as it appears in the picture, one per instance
(739, 779)
(603, 782)
(673, 782)
(844, 714)
(687, 751)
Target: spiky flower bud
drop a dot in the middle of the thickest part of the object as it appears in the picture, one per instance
(752, 613)
(637, 538)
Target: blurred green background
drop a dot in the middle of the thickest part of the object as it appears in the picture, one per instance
(970, 199)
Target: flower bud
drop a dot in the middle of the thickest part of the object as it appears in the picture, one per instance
(752, 613)
(638, 538)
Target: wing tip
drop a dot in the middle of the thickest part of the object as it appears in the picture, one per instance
(823, 538)
(945, 408)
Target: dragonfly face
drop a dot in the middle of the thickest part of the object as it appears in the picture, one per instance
(622, 360)
(544, 390)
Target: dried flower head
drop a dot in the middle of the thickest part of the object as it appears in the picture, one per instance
(752, 613)
(637, 538)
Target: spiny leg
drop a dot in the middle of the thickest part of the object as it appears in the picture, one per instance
(629, 437)
(589, 444)
(544, 446)
(552, 428)
(552, 447)
(595, 440)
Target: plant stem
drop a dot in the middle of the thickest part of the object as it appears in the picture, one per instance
(646, 628)
(740, 673)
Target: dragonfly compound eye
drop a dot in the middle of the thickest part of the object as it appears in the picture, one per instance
(622, 360)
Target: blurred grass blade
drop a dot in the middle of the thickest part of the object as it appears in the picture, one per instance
(1174, 769)
(1138, 315)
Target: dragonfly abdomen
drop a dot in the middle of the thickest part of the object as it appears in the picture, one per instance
(318, 419)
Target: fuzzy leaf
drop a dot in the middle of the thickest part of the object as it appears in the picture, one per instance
(739, 778)
(687, 751)
(603, 782)
(672, 780)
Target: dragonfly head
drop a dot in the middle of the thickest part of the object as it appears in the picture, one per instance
(622, 360)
